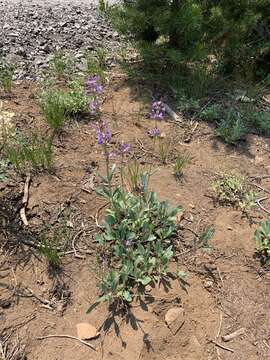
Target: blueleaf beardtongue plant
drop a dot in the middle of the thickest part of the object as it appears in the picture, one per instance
(137, 236)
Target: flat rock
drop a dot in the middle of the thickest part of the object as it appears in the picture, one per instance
(175, 318)
(86, 331)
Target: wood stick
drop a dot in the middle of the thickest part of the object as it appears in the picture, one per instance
(233, 335)
(222, 346)
(261, 188)
(67, 337)
(25, 200)
(173, 114)
(261, 206)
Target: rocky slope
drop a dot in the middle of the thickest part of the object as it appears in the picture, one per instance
(31, 31)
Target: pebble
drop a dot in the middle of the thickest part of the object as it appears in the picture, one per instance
(175, 318)
(86, 331)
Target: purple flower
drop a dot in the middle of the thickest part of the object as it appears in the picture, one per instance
(93, 85)
(155, 132)
(93, 107)
(103, 133)
(99, 89)
(124, 148)
(158, 110)
(107, 135)
(100, 137)
(127, 244)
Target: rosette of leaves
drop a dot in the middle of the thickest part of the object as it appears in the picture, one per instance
(136, 244)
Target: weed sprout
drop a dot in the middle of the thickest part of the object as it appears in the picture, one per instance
(60, 65)
(231, 129)
(54, 108)
(181, 162)
(6, 76)
(164, 148)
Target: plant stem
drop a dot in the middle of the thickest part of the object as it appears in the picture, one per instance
(107, 166)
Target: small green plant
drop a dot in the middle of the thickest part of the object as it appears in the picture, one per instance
(211, 113)
(103, 6)
(3, 170)
(248, 201)
(164, 149)
(262, 238)
(96, 63)
(25, 154)
(49, 249)
(181, 162)
(76, 99)
(137, 177)
(232, 189)
(101, 55)
(136, 242)
(54, 239)
(54, 108)
(188, 104)
(204, 238)
(60, 65)
(6, 75)
(232, 128)
(261, 122)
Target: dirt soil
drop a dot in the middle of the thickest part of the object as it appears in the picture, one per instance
(227, 288)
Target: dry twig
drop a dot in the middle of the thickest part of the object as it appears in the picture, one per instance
(261, 206)
(233, 335)
(175, 117)
(73, 245)
(67, 337)
(222, 346)
(25, 200)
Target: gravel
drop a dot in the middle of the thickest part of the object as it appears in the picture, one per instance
(31, 31)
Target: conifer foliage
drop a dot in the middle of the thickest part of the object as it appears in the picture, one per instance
(236, 32)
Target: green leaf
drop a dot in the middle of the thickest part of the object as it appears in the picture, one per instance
(127, 296)
(110, 219)
(145, 280)
(151, 237)
(100, 239)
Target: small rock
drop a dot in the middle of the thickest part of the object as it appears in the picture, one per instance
(5, 304)
(148, 288)
(69, 224)
(175, 319)
(86, 331)
(208, 284)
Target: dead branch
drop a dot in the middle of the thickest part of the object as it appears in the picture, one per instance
(28, 293)
(73, 245)
(233, 335)
(261, 206)
(25, 200)
(222, 346)
(173, 114)
(68, 337)
(260, 187)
